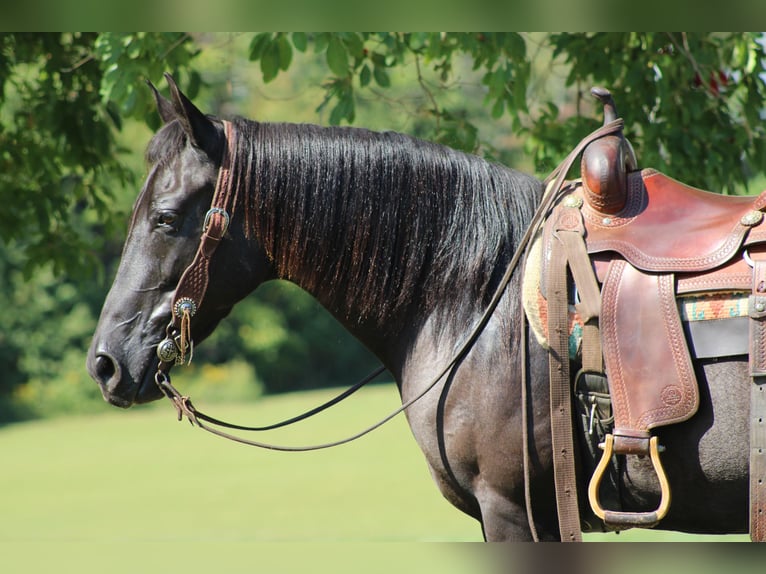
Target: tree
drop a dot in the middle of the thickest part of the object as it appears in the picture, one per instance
(62, 98)
(693, 103)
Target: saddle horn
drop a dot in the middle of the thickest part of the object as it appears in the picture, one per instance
(606, 162)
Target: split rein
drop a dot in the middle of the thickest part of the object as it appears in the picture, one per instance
(191, 288)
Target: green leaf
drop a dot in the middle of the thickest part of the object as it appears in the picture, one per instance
(498, 108)
(285, 52)
(365, 76)
(300, 41)
(381, 77)
(344, 110)
(354, 45)
(337, 57)
(258, 45)
(270, 62)
(515, 46)
(321, 41)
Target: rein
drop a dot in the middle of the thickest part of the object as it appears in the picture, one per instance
(192, 286)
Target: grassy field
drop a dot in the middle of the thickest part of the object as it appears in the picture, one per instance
(127, 489)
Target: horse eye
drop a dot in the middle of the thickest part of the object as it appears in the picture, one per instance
(167, 219)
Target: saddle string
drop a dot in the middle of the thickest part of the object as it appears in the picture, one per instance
(185, 337)
(553, 184)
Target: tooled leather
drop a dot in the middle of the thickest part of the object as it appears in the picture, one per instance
(194, 280)
(706, 227)
(758, 320)
(647, 361)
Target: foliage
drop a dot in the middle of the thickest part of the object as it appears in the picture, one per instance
(359, 61)
(290, 340)
(47, 324)
(693, 103)
(61, 97)
(70, 165)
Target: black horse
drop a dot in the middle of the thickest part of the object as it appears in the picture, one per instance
(405, 242)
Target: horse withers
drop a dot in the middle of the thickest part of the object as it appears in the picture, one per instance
(405, 242)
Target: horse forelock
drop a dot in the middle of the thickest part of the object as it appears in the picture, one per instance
(166, 144)
(378, 221)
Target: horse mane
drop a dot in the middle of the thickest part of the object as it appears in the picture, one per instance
(377, 221)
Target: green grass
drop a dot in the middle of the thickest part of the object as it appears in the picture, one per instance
(102, 491)
(125, 489)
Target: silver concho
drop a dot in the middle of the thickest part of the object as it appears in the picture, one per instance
(167, 351)
(572, 201)
(185, 304)
(752, 218)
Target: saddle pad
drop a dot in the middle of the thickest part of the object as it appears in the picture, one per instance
(716, 325)
(535, 305)
(713, 306)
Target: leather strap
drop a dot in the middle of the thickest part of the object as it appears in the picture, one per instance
(193, 283)
(564, 476)
(757, 312)
(562, 437)
(571, 231)
(758, 460)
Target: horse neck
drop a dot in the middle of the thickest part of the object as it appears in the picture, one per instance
(383, 230)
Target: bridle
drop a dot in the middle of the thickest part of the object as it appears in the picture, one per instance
(190, 292)
(191, 288)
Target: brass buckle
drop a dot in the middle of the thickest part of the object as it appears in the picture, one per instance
(629, 519)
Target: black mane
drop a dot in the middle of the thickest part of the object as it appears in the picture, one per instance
(379, 221)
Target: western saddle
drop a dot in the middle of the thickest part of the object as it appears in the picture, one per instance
(619, 235)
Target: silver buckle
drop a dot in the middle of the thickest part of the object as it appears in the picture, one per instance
(216, 211)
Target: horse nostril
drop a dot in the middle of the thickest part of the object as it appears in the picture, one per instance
(106, 368)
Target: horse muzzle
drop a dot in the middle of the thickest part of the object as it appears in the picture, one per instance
(118, 387)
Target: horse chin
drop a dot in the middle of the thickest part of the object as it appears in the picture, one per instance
(148, 391)
(116, 401)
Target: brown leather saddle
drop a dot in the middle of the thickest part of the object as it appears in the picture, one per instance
(623, 246)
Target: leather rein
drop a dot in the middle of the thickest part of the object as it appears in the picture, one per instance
(191, 288)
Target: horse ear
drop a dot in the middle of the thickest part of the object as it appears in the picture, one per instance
(164, 105)
(202, 132)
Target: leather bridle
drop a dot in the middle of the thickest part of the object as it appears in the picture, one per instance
(192, 286)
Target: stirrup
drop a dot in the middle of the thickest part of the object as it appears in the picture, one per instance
(629, 519)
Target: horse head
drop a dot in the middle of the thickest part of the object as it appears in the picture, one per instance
(184, 159)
